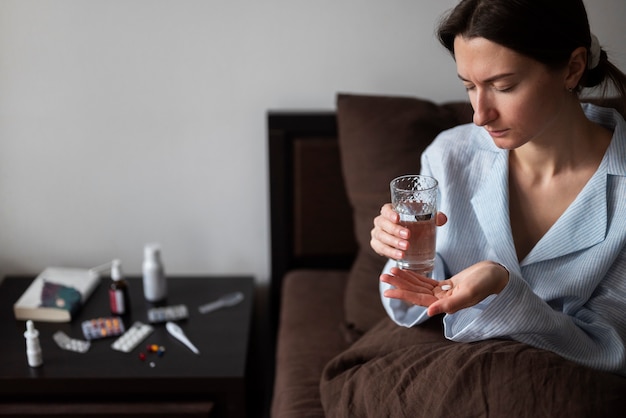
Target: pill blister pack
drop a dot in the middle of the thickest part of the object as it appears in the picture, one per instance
(133, 337)
(103, 327)
(167, 313)
(70, 344)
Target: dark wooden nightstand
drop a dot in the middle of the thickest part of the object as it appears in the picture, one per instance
(106, 381)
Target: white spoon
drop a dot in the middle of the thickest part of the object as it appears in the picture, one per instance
(227, 300)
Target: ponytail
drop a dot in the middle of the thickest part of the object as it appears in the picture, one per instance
(604, 77)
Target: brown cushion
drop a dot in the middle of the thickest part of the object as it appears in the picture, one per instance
(381, 137)
(309, 336)
(415, 372)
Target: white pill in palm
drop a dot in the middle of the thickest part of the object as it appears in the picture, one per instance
(446, 287)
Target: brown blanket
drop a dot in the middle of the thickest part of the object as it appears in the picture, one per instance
(393, 371)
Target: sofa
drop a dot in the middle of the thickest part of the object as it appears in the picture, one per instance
(337, 353)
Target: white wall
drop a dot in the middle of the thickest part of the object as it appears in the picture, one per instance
(129, 121)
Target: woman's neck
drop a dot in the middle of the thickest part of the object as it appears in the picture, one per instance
(573, 143)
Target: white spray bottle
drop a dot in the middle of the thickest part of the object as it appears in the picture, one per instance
(33, 348)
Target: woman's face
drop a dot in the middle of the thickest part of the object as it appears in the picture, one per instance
(515, 98)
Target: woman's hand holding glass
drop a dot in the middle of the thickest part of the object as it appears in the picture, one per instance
(390, 239)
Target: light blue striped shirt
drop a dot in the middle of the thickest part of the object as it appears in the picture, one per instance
(569, 294)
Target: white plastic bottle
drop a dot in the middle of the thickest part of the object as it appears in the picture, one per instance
(154, 280)
(33, 348)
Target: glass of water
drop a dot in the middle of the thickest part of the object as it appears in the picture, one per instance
(414, 198)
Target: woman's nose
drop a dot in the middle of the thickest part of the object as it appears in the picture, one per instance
(484, 111)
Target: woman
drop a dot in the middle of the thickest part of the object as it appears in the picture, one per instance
(532, 236)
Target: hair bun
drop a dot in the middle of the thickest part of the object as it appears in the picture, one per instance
(595, 53)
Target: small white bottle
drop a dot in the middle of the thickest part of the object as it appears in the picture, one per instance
(154, 280)
(33, 348)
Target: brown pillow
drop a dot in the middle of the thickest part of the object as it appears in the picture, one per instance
(381, 137)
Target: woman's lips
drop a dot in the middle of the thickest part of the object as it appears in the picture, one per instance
(497, 133)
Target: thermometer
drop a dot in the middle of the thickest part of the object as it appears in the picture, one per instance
(178, 333)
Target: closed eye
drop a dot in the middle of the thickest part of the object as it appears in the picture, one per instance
(504, 89)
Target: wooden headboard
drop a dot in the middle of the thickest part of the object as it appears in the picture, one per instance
(311, 218)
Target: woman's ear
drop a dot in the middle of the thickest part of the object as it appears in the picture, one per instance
(576, 68)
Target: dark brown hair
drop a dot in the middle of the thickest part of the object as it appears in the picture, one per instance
(545, 30)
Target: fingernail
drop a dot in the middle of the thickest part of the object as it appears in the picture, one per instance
(404, 233)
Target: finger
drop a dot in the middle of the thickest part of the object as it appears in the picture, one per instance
(449, 305)
(384, 227)
(390, 225)
(386, 250)
(404, 284)
(442, 219)
(388, 212)
(393, 218)
(437, 308)
(413, 275)
(385, 243)
(421, 299)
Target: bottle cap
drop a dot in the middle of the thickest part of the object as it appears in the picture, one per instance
(151, 250)
(116, 270)
(31, 332)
